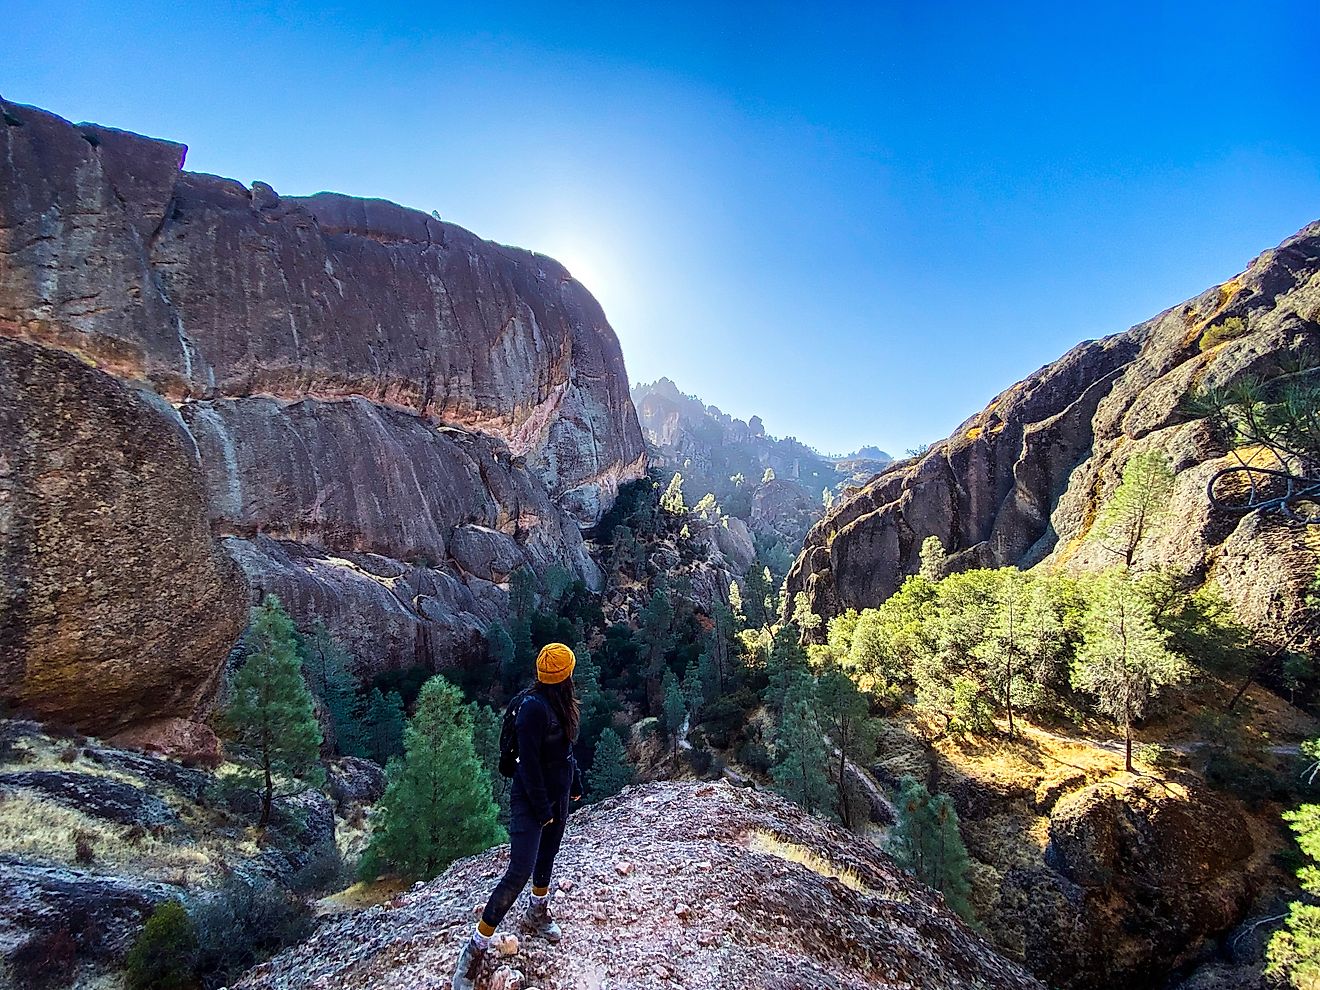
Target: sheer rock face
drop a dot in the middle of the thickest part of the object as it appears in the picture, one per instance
(387, 414)
(675, 884)
(1021, 481)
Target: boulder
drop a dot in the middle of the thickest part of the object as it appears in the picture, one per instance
(355, 781)
(1137, 875)
(192, 743)
(98, 627)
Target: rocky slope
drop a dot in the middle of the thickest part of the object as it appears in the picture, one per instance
(1021, 481)
(694, 885)
(378, 414)
(94, 837)
(709, 447)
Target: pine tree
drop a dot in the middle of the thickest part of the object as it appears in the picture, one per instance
(502, 656)
(927, 842)
(270, 707)
(934, 561)
(437, 805)
(656, 633)
(326, 665)
(1294, 951)
(522, 604)
(675, 709)
(1123, 661)
(785, 665)
(846, 716)
(1138, 505)
(382, 726)
(611, 771)
(1002, 651)
(800, 772)
(595, 705)
(694, 688)
(672, 500)
(758, 586)
(768, 477)
(486, 725)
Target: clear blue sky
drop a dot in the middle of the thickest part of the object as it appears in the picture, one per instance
(860, 223)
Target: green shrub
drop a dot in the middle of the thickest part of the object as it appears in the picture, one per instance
(1229, 328)
(245, 923)
(165, 953)
(1159, 757)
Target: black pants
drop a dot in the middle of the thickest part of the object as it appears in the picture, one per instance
(532, 850)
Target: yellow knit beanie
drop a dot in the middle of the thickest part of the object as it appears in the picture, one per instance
(554, 663)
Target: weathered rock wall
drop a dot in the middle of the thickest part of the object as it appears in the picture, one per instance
(379, 414)
(1021, 481)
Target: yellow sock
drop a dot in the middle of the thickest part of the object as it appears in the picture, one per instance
(486, 930)
(540, 891)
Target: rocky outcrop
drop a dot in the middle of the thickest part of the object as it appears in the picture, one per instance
(115, 606)
(710, 448)
(784, 509)
(379, 414)
(694, 885)
(1140, 874)
(1021, 481)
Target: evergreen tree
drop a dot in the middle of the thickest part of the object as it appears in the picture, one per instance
(800, 772)
(1137, 506)
(611, 771)
(672, 500)
(927, 842)
(757, 589)
(522, 605)
(486, 725)
(1003, 650)
(1123, 661)
(785, 665)
(656, 633)
(595, 705)
(437, 805)
(326, 665)
(694, 688)
(707, 508)
(502, 655)
(845, 715)
(708, 675)
(1294, 951)
(827, 499)
(675, 709)
(768, 477)
(382, 726)
(803, 617)
(270, 708)
(934, 561)
(163, 955)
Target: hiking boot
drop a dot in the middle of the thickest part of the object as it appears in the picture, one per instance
(469, 965)
(541, 921)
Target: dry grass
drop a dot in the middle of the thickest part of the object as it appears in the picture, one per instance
(362, 895)
(35, 828)
(771, 845)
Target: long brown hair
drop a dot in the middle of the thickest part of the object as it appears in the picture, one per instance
(563, 700)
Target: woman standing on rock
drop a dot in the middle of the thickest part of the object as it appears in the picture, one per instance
(545, 778)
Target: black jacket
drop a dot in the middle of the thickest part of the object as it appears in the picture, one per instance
(547, 769)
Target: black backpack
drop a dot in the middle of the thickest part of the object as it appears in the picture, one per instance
(509, 732)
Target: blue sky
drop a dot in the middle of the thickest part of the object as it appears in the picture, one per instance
(860, 221)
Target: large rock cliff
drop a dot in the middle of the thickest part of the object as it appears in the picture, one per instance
(1021, 481)
(379, 414)
(702, 886)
